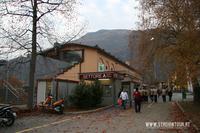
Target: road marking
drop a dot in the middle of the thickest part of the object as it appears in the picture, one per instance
(43, 126)
(149, 106)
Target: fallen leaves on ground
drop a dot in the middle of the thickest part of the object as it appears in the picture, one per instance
(179, 116)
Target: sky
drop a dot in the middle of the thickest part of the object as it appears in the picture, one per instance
(109, 14)
(93, 14)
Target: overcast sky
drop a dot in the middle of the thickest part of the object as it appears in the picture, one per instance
(109, 14)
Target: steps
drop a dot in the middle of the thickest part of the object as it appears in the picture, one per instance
(11, 95)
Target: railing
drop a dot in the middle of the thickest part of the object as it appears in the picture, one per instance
(9, 87)
(19, 94)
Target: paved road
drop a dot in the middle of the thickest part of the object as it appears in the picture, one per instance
(112, 120)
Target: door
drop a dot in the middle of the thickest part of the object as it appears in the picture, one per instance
(41, 91)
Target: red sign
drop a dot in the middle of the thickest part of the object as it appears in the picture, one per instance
(100, 75)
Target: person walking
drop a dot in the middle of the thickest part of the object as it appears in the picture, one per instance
(137, 98)
(151, 94)
(146, 96)
(164, 94)
(124, 97)
(155, 96)
(142, 94)
(159, 92)
(170, 94)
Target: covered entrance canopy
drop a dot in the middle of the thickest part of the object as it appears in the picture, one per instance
(110, 81)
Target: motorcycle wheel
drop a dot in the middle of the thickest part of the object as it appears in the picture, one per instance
(11, 119)
(61, 110)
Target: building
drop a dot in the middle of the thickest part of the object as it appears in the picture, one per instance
(14, 76)
(88, 64)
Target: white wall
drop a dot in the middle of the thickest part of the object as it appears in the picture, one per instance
(41, 90)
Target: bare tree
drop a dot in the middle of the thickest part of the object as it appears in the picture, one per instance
(27, 25)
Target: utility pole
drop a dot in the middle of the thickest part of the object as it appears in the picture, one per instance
(7, 76)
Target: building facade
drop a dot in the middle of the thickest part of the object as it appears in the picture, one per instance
(88, 64)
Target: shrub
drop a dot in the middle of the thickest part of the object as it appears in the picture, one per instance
(87, 95)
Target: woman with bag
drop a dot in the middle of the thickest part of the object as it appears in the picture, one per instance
(124, 97)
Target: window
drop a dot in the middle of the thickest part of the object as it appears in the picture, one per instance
(107, 66)
(73, 56)
(112, 68)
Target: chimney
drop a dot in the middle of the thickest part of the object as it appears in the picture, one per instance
(57, 45)
(127, 63)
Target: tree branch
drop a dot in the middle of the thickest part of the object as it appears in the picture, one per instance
(49, 11)
(14, 13)
(14, 40)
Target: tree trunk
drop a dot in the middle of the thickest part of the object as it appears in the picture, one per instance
(33, 58)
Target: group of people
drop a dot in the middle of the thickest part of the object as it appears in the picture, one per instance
(154, 94)
(144, 95)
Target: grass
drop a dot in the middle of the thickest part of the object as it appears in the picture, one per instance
(192, 110)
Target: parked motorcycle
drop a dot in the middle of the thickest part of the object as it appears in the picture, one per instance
(57, 106)
(7, 116)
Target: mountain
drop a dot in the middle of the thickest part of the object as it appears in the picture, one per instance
(45, 67)
(113, 41)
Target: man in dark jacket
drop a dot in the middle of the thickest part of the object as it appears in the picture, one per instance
(137, 98)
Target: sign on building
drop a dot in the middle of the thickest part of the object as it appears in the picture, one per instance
(101, 67)
(101, 75)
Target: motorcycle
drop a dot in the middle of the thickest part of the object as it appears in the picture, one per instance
(7, 116)
(57, 106)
